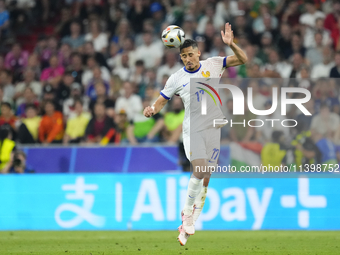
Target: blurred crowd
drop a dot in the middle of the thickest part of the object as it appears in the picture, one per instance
(82, 71)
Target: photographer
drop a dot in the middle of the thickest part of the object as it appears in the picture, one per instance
(7, 147)
(17, 164)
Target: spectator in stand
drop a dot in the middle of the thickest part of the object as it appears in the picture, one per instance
(47, 52)
(130, 102)
(28, 82)
(266, 47)
(258, 24)
(29, 98)
(4, 19)
(51, 128)
(284, 42)
(52, 75)
(75, 39)
(324, 124)
(97, 78)
(89, 51)
(101, 129)
(40, 46)
(34, 65)
(308, 21)
(274, 151)
(98, 38)
(76, 67)
(7, 117)
(122, 125)
(137, 75)
(240, 133)
(16, 60)
(335, 71)
(6, 84)
(275, 65)
(76, 125)
(68, 105)
(210, 16)
(314, 54)
(297, 62)
(2, 63)
(150, 52)
(114, 14)
(123, 71)
(151, 82)
(326, 35)
(64, 55)
(242, 28)
(324, 94)
(7, 149)
(145, 130)
(50, 94)
(264, 133)
(323, 69)
(29, 127)
(89, 72)
(115, 59)
(63, 27)
(331, 19)
(189, 27)
(157, 15)
(122, 33)
(90, 7)
(297, 46)
(173, 121)
(171, 65)
(291, 14)
(63, 90)
(306, 120)
(2, 99)
(101, 97)
(136, 14)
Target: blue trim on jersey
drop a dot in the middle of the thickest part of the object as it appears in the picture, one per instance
(225, 62)
(193, 71)
(162, 94)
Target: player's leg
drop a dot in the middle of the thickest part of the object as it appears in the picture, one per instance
(196, 152)
(200, 199)
(213, 150)
(194, 189)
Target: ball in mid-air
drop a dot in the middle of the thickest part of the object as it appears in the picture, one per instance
(173, 36)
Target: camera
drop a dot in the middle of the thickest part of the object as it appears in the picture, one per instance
(19, 159)
(16, 161)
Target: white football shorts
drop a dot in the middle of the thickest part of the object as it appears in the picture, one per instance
(204, 144)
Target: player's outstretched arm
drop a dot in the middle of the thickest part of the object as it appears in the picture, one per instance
(240, 57)
(156, 107)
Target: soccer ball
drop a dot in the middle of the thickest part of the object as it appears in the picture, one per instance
(173, 36)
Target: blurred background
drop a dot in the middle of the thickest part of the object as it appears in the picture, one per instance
(75, 76)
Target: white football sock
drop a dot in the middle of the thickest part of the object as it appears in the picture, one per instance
(194, 189)
(199, 202)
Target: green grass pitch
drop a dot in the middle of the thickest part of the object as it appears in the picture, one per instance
(165, 242)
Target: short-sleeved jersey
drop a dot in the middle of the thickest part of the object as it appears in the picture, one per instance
(179, 84)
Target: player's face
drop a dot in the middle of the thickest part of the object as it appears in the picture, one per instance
(191, 58)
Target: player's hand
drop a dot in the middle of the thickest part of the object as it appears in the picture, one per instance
(148, 112)
(227, 35)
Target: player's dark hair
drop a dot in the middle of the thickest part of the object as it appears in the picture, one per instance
(187, 43)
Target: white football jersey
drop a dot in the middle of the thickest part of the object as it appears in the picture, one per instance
(179, 84)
